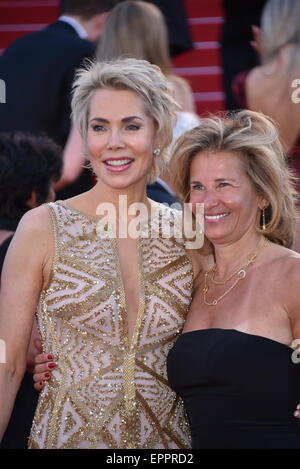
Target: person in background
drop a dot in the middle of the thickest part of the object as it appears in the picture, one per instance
(268, 88)
(137, 29)
(174, 12)
(236, 49)
(38, 70)
(29, 168)
(235, 365)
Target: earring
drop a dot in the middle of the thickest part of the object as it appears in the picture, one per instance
(156, 151)
(263, 219)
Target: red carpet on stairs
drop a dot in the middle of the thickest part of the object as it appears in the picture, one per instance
(201, 66)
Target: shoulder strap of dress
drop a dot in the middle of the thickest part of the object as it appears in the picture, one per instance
(56, 217)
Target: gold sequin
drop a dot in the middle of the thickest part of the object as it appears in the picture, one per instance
(105, 392)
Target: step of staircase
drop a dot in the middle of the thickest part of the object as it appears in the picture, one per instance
(202, 66)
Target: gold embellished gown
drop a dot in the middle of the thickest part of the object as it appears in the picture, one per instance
(105, 392)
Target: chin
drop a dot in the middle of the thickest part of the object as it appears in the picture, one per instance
(216, 237)
(123, 182)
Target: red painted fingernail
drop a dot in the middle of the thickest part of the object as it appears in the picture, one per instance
(50, 357)
(51, 365)
(47, 375)
(41, 383)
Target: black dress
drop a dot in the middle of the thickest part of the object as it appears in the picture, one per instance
(240, 390)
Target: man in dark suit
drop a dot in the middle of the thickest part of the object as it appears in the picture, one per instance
(38, 69)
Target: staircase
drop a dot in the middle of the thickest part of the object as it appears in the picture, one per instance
(201, 66)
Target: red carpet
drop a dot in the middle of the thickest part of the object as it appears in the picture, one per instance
(200, 66)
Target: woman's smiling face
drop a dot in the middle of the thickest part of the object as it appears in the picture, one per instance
(231, 205)
(121, 138)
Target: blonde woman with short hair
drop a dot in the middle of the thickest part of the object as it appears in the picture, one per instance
(109, 306)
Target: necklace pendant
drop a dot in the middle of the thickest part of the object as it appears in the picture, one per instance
(241, 274)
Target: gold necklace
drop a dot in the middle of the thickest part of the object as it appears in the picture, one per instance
(240, 272)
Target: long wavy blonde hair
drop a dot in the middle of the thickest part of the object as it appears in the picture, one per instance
(136, 29)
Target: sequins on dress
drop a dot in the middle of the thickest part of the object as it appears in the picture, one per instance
(106, 393)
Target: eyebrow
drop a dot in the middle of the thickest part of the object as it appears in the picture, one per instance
(125, 119)
(216, 180)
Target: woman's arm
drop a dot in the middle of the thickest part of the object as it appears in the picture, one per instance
(32, 348)
(22, 280)
(291, 295)
(293, 309)
(183, 93)
(73, 159)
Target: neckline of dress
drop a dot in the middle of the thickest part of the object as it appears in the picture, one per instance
(219, 329)
(75, 210)
(95, 219)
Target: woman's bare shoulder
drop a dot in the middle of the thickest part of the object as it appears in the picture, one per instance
(37, 219)
(35, 228)
(31, 245)
(285, 264)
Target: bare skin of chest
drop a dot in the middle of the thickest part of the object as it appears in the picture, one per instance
(129, 266)
(242, 309)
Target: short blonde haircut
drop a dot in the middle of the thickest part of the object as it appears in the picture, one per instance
(136, 29)
(138, 76)
(253, 136)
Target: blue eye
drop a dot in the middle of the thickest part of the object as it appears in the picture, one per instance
(224, 184)
(198, 187)
(133, 127)
(98, 128)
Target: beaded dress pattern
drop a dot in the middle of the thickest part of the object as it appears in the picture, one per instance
(105, 392)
